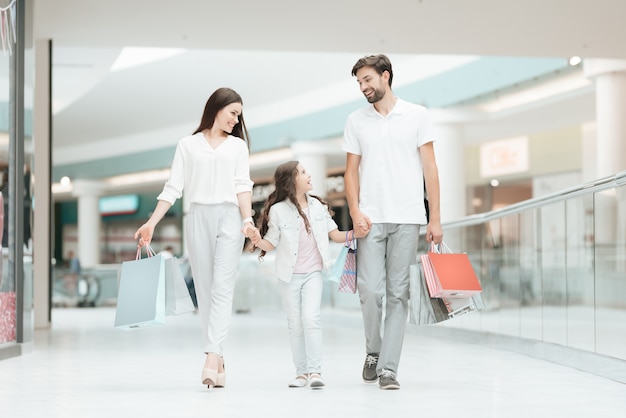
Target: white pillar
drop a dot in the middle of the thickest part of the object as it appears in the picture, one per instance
(610, 81)
(450, 157)
(312, 156)
(89, 239)
(589, 160)
(41, 213)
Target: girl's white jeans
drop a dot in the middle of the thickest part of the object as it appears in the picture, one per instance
(302, 298)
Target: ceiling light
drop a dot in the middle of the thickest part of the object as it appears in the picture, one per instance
(540, 92)
(575, 61)
(145, 177)
(133, 57)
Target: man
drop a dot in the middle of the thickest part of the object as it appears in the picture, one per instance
(390, 157)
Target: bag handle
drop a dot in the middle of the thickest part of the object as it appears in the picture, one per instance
(441, 248)
(149, 251)
(350, 242)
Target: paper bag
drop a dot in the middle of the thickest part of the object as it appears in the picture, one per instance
(141, 293)
(177, 296)
(449, 275)
(424, 309)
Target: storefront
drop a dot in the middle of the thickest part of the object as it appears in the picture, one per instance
(16, 280)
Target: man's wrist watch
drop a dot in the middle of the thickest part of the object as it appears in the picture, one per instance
(246, 220)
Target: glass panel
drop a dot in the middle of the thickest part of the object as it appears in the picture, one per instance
(28, 315)
(552, 253)
(509, 239)
(610, 273)
(490, 275)
(531, 295)
(7, 281)
(580, 289)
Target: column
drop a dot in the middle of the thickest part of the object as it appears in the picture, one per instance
(88, 193)
(610, 81)
(450, 157)
(41, 137)
(312, 156)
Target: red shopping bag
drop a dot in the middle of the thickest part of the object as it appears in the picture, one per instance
(449, 275)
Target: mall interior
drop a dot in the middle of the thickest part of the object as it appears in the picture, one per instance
(528, 102)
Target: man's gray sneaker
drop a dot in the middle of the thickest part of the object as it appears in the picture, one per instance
(369, 368)
(387, 380)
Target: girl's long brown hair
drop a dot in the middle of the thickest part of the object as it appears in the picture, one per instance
(285, 182)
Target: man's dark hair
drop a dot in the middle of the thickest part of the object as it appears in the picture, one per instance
(380, 63)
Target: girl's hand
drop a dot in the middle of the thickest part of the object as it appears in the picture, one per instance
(255, 237)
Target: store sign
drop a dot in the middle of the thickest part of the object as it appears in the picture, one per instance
(118, 205)
(507, 156)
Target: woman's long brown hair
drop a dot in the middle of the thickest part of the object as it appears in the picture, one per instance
(285, 182)
(221, 98)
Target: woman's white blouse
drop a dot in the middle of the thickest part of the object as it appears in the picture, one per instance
(207, 175)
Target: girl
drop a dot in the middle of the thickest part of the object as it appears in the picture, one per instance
(298, 225)
(212, 166)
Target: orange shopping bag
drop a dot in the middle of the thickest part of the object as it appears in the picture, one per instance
(448, 274)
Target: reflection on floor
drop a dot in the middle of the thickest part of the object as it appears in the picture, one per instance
(83, 367)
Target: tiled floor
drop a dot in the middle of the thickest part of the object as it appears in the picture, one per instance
(83, 367)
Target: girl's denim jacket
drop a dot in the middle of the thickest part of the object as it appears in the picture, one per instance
(284, 233)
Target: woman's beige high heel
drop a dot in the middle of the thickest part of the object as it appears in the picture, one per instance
(210, 374)
(221, 374)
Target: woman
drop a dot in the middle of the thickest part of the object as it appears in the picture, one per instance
(298, 225)
(212, 166)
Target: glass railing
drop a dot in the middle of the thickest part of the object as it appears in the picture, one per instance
(553, 269)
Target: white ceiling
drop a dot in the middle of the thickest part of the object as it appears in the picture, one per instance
(285, 57)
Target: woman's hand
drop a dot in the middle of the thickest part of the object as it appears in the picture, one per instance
(248, 229)
(144, 234)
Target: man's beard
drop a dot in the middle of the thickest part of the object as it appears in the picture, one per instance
(377, 96)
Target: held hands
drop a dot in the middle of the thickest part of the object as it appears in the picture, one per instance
(248, 229)
(361, 224)
(252, 233)
(255, 237)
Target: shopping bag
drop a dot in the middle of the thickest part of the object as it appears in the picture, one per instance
(347, 282)
(177, 297)
(424, 309)
(141, 293)
(449, 274)
(337, 270)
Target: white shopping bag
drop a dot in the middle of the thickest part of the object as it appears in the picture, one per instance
(141, 292)
(177, 297)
